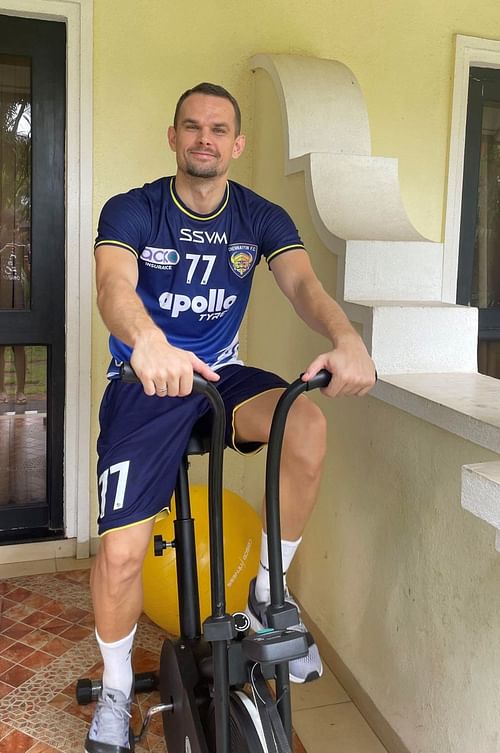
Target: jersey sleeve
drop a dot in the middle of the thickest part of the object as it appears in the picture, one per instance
(124, 221)
(278, 233)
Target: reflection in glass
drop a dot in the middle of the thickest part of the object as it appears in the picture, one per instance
(486, 280)
(486, 272)
(15, 182)
(488, 357)
(23, 430)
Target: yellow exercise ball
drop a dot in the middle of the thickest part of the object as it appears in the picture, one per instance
(242, 533)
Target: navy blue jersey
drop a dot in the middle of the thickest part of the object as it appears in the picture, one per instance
(195, 271)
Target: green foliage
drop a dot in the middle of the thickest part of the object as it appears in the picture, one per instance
(15, 165)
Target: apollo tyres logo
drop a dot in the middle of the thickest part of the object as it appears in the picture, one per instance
(212, 306)
(160, 258)
(215, 302)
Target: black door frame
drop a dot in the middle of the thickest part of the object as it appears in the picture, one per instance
(44, 323)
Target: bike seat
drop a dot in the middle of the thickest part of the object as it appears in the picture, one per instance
(199, 441)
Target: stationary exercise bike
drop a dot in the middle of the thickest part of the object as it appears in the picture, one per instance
(214, 684)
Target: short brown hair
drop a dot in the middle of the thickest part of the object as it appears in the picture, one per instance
(213, 90)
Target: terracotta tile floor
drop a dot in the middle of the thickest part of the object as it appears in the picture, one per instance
(46, 643)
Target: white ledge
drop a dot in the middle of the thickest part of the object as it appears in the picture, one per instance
(466, 404)
(481, 493)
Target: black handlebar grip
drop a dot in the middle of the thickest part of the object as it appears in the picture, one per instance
(322, 379)
(200, 384)
(127, 374)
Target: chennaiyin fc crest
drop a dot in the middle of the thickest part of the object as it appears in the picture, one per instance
(242, 258)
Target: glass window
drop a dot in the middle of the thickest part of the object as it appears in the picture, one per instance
(15, 182)
(23, 425)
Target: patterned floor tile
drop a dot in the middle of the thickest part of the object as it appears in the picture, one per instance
(17, 630)
(37, 660)
(16, 742)
(37, 619)
(16, 675)
(43, 748)
(5, 689)
(5, 623)
(57, 646)
(17, 652)
(8, 603)
(18, 612)
(36, 601)
(5, 643)
(33, 638)
(156, 743)
(19, 594)
(75, 633)
(54, 608)
(60, 701)
(4, 665)
(73, 614)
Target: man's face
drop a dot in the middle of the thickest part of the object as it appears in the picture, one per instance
(205, 139)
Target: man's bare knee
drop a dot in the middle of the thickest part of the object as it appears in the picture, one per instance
(119, 559)
(305, 436)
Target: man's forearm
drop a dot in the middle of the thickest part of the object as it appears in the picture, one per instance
(124, 314)
(322, 314)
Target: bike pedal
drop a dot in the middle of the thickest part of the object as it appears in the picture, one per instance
(275, 646)
(160, 708)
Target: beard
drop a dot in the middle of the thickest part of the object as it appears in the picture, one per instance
(196, 171)
(200, 170)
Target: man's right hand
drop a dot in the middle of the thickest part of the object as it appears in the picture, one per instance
(164, 370)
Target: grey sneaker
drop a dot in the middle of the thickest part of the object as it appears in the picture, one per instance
(110, 729)
(307, 668)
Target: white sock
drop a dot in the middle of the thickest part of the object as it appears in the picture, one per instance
(117, 656)
(262, 585)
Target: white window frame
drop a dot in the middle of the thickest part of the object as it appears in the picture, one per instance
(77, 14)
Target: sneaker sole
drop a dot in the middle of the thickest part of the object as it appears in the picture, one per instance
(314, 675)
(129, 750)
(256, 625)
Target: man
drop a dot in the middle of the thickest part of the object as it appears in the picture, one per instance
(175, 260)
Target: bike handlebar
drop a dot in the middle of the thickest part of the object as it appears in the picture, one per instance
(321, 379)
(201, 385)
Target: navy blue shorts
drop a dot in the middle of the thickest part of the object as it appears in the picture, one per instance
(143, 438)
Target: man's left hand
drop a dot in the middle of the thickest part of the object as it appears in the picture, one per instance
(353, 371)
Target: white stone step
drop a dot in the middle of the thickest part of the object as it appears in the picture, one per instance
(393, 270)
(428, 336)
(481, 493)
